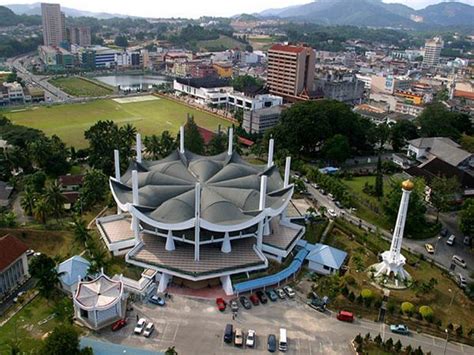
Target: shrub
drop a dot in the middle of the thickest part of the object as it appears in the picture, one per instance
(426, 312)
(345, 291)
(351, 296)
(358, 339)
(350, 280)
(459, 330)
(360, 299)
(389, 344)
(398, 346)
(378, 303)
(391, 307)
(450, 326)
(378, 339)
(366, 293)
(407, 308)
(367, 337)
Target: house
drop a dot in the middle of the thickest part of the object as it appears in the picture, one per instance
(13, 264)
(72, 271)
(5, 194)
(424, 149)
(70, 185)
(324, 259)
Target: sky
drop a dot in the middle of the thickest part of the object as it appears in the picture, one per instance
(190, 8)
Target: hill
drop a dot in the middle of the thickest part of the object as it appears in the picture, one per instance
(35, 9)
(9, 18)
(448, 14)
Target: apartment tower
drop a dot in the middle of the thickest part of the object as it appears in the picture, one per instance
(291, 71)
(54, 29)
(432, 52)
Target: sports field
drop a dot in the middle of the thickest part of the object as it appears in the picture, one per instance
(80, 87)
(150, 117)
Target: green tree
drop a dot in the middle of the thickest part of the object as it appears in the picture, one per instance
(337, 149)
(41, 210)
(467, 143)
(121, 41)
(43, 268)
(28, 199)
(168, 143)
(401, 132)
(153, 146)
(443, 191)
(81, 233)
(171, 351)
(437, 121)
(35, 182)
(54, 199)
(379, 179)
(63, 339)
(217, 144)
(246, 82)
(466, 218)
(128, 132)
(193, 140)
(50, 155)
(94, 188)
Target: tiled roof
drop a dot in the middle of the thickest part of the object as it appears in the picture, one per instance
(66, 180)
(287, 48)
(11, 249)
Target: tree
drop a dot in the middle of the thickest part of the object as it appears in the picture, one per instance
(442, 193)
(153, 146)
(246, 82)
(94, 188)
(43, 268)
(467, 143)
(28, 199)
(382, 135)
(128, 132)
(54, 199)
(217, 144)
(50, 155)
(379, 179)
(415, 222)
(81, 233)
(41, 210)
(466, 218)
(35, 181)
(407, 308)
(63, 339)
(168, 143)
(426, 312)
(193, 140)
(398, 346)
(437, 121)
(171, 351)
(401, 132)
(337, 149)
(121, 41)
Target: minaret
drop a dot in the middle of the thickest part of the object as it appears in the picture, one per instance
(392, 260)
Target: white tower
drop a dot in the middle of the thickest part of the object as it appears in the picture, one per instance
(392, 260)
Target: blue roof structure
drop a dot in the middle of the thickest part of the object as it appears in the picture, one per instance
(72, 269)
(329, 170)
(103, 348)
(326, 255)
(273, 279)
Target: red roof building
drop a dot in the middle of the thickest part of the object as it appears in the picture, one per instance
(11, 249)
(207, 135)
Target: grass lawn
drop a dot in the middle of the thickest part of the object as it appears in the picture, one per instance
(438, 298)
(222, 41)
(150, 117)
(80, 87)
(24, 327)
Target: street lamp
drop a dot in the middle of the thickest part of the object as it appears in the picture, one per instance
(452, 298)
(436, 246)
(446, 343)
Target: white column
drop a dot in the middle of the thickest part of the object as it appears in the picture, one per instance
(170, 242)
(139, 147)
(227, 285)
(226, 247)
(181, 139)
(261, 207)
(135, 201)
(117, 164)
(260, 235)
(164, 280)
(396, 246)
(231, 141)
(287, 172)
(271, 145)
(197, 215)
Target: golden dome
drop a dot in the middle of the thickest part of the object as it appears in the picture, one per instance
(408, 185)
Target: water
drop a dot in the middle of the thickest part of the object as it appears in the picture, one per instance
(133, 82)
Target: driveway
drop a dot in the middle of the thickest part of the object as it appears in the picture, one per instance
(195, 326)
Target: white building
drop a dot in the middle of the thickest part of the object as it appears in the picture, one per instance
(325, 260)
(72, 271)
(433, 49)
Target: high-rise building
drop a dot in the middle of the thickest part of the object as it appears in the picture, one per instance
(80, 35)
(432, 52)
(54, 29)
(291, 71)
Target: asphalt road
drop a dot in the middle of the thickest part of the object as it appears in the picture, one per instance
(8, 302)
(195, 326)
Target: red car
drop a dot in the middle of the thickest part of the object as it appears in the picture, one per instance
(254, 299)
(221, 304)
(119, 324)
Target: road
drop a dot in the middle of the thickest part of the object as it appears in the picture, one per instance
(195, 326)
(443, 253)
(8, 302)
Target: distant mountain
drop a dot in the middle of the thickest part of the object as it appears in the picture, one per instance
(9, 18)
(375, 13)
(35, 9)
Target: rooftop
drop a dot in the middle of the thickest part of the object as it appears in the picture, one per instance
(11, 249)
(325, 255)
(72, 269)
(287, 48)
(100, 293)
(443, 148)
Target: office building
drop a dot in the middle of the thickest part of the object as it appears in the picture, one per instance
(258, 121)
(291, 71)
(432, 52)
(80, 36)
(54, 29)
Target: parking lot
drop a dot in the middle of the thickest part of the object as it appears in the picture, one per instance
(195, 326)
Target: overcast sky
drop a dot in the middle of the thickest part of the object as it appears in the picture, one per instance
(190, 8)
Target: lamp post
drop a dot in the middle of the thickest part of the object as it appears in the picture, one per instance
(446, 343)
(436, 246)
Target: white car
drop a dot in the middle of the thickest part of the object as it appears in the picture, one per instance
(251, 335)
(289, 291)
(332, 213)
(451, 240)
(140, 326)
(150, 327)
(280, 293)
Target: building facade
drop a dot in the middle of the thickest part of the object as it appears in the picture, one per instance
(291, 71)
(433, 49)
(53, 24)
(258, 121)
(80, 35)
(13, 264)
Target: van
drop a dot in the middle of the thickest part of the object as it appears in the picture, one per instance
(229, 330)
(283, 345)
(345, 316)
(451, 240)
(459, 261)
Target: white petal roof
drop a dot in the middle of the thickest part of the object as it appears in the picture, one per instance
(98, 294)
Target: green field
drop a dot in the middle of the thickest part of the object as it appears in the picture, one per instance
(150, 117)
(80, 87)
(221, 42)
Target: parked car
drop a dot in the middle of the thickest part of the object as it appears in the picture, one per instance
(158, 300)
(345, 316)
(254, 299)
(234, 306)
(459, 261)
(30, 252)
(271, 295)
(140, 326)
(37, 253)
(18, 296)
(261, 296)
(429, 248)
(150, 327)
(280, 293)
(331, 197)
(119, 324)
(220, 304)
(272, 343)
(444, 232)
(467, 241)
(228, 333)
(332, 213)
(338, 204)
(462, 281)
(399, 329)
(451, 240)
(323, 192)
(238, 337)
(251, 337)
(289, 291)
(245, 302)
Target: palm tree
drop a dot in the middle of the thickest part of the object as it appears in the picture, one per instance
(55, 199)
(81, 233)
(128, 133)
(41, 210)
(168, 143)
(153, 146)
(97, 256)
(28, 199)
(171, 351)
